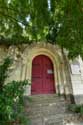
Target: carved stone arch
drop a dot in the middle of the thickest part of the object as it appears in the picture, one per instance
(54, 54)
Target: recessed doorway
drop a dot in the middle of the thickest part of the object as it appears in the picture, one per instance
(42, 76)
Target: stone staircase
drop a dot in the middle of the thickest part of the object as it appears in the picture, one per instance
(45, 109)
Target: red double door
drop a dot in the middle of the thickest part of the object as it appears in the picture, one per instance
(42, 76)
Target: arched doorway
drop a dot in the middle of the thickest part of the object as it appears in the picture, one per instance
(42, 75)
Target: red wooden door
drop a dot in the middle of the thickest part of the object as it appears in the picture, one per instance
(42, 75)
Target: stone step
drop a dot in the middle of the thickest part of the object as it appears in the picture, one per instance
(45, 112)
(49, 96)
(45, 109)
(39, 122)
(52, 120)
(44, 100)
(45, 104)
(47, 100)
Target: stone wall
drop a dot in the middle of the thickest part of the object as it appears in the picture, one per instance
(65, 81)
(76, 73)
(23, 55)
(15, 68)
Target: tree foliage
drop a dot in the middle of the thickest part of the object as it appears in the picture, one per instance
(56, 21)
(11, 98)
(76, 108)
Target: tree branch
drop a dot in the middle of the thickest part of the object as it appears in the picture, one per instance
(11, 18)
(14, 10)
(81, 9)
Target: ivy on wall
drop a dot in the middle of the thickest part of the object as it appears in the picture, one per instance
(11, 98)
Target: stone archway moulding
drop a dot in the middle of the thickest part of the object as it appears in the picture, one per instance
(50, 51)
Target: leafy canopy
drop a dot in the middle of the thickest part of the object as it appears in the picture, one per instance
(56, 21)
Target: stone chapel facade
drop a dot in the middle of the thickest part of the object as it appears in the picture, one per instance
(67, 74)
